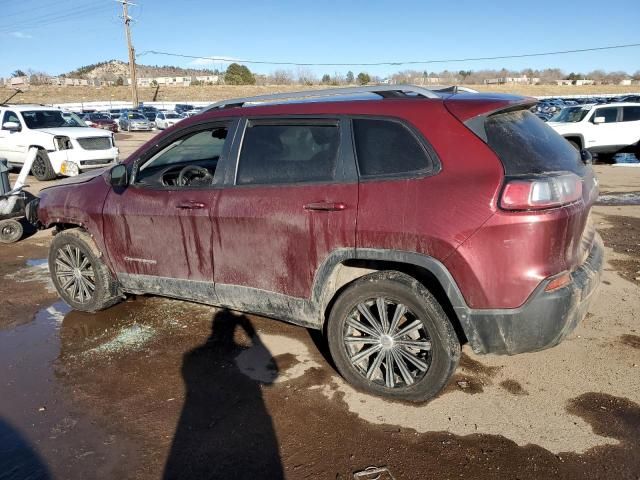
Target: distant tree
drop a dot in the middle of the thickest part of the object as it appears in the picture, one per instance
(363, 78)
(19, 73)
(239, 75)
(154, 83)
(281, 77)
(349, 78)
(306, 76)
(636, 75)
(120, 82)
(326, 78)
(464, 74)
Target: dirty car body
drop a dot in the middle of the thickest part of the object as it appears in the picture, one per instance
(466, 202)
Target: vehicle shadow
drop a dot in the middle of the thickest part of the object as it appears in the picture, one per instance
(18, 460)
(225, 430)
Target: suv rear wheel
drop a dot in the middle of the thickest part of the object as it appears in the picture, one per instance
(79, 275)
(389, 336)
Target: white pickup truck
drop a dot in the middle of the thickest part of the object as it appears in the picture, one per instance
(66, 146)
(603, 129)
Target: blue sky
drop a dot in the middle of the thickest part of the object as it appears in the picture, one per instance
(57, 36)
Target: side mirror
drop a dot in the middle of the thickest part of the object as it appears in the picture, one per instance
(118, 176)
(598, 120)
(11, 126)
(586, 156)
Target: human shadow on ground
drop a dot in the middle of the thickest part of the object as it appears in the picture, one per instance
(18, 460)
(225, 430)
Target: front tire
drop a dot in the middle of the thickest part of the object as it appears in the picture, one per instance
(41, 168)
(80, 276)
(389, 336)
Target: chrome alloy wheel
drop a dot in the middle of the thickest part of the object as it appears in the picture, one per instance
(386, 343)
(75, 274)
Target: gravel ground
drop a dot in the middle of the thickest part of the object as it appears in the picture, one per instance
(155, 387)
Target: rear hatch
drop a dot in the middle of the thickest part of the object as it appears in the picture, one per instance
(537, 162)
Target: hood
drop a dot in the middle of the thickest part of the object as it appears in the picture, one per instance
(75, 132)
(82, 178)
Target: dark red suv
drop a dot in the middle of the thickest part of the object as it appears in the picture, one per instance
(400, 221)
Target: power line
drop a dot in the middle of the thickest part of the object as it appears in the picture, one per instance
(60, 17)
(408, 62)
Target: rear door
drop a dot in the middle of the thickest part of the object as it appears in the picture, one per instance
(290, 202)
(631, 124)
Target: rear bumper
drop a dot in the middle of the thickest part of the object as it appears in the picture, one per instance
(544, 320)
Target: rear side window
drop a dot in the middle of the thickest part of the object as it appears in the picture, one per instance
(289, 153)
(630, 114)
(527, 145)
(386, 147)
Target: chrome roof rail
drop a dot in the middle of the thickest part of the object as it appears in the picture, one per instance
(384, 91)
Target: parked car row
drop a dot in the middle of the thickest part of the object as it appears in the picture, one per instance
(116, 119)
(548, 107)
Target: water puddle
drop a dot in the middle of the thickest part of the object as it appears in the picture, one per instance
(627, 198)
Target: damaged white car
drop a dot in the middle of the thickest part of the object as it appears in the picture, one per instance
(66, 146)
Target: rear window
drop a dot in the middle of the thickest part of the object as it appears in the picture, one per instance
(386, 147)
(527, 145)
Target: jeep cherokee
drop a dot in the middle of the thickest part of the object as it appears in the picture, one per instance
(401, 222)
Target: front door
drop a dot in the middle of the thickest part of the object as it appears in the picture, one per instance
(158, 230)
(12, 143)
(290, 202)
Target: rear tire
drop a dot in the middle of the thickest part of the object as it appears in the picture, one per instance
(80, 276)
(378, 308)
(41, 168)
(11, 231)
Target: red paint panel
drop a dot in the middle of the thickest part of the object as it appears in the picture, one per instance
(148, 233)
(267, 240)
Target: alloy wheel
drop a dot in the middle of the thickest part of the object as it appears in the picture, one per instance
(387, 343)
(75, 273)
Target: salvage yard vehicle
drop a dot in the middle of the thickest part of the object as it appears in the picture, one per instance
(399, 221)
(66, 146)
(133, 121)
(603, 129)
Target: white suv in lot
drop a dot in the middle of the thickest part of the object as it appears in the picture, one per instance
(603, 129)
(66, 146)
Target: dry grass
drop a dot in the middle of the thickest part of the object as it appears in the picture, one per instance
(50, 94)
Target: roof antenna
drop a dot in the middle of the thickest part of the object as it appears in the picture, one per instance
(11, 96)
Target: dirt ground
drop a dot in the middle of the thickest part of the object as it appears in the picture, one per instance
(157, 388)
(51, 94)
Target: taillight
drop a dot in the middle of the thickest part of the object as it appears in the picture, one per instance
(541, 192)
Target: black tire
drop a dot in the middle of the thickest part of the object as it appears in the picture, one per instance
(41, 168)
(11, 231)
(402, 290)
(64, 263)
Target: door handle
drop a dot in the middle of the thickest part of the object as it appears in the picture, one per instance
(190, 206)
(325, 206)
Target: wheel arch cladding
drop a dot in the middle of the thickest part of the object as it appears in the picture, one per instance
(342, 268)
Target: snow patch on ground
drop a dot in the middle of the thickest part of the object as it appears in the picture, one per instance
(129, 338)
(34, 271)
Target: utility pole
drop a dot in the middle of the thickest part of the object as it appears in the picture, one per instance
(132, 53)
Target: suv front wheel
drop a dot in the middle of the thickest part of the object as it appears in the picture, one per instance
(388, 335)
(80, 276)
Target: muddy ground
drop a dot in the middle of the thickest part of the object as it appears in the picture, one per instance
(157, 388)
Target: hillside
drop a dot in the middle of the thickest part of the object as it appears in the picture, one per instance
(52, 94)
(112, 69)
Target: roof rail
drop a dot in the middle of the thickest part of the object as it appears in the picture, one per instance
(384, 91)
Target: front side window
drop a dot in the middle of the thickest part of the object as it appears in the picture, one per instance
(630, 114)
(610, 115)
(190, 160)
(289, 153)
(386, 147)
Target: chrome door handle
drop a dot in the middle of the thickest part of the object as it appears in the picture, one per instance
(190, 206)
(325, 206)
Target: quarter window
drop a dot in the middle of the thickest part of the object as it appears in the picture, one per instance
(289, 153)
(630, 114)
(386, 147)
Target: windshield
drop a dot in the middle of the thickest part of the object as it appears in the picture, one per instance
(172, 115)
(98, 116)
(137, 116)
(50, 119)
(570, 115)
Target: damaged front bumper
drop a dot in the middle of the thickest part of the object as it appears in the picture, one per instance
(544, 320)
